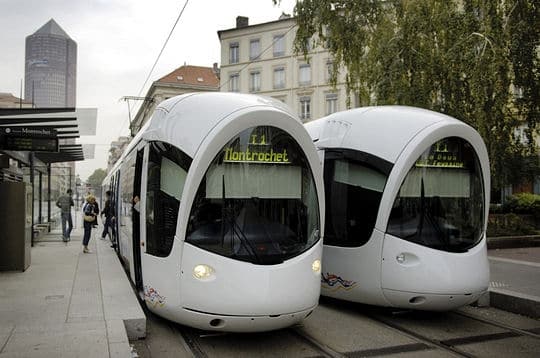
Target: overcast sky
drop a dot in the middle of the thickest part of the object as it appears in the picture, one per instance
(118, 42)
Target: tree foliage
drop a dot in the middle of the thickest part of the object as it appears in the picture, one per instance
(465, 58)
(96, 178)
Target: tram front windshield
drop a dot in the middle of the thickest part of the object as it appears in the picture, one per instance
(441, 201)
(257, 201)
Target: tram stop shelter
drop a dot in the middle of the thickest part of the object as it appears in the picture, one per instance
(31, 140)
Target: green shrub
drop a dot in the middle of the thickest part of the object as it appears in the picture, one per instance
(523, 203)
(508, 225)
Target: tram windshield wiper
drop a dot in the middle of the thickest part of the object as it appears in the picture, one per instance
(229, 218)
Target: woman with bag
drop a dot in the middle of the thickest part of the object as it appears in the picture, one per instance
(90, 212)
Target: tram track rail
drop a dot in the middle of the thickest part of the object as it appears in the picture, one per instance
(454, 344)
(451, 345)
(532, 332)
(190, 342)
(320, 347)
(420, 338)
(314, 343)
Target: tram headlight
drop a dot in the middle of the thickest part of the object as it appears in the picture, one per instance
(202, 271)
(316, 266)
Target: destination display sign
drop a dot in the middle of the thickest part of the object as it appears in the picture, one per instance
(34, 139)
(258, 150)
(247, 156)
(442, 155)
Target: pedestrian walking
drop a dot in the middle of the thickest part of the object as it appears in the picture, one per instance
(65, 202)
(90, 213)
(108, 211)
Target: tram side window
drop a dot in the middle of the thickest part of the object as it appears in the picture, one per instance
(114, 205)
(353, 194)
(167, 171)
(126, 195)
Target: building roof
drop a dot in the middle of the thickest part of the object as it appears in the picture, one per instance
(281, 19)
(193, 76)
(8, 97)
(51, 28)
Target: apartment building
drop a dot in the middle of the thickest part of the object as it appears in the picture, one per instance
(260, 59)
(185, 79)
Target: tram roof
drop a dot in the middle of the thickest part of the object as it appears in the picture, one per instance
(186, 120)
(384, 130)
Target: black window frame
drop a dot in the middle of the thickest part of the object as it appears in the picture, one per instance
(234, 52)
(366, 224)
(161, 230)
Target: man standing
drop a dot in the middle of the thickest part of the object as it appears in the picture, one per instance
(108, 211)
(65, 202)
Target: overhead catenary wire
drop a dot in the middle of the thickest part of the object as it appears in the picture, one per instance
(221, 86)
(155, 62)
(163, 47)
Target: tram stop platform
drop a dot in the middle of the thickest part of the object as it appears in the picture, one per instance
(515, 280)
(69, 304)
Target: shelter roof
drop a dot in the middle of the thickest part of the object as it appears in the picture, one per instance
(69, 124)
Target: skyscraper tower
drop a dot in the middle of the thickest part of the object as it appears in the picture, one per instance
(50, 67)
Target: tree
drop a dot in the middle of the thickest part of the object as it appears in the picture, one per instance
(96, 178)
(465, 58)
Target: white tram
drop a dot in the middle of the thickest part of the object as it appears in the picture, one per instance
(227, 233)
(407, 195)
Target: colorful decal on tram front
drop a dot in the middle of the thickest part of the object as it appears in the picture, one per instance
(335, 282)
(152, 297)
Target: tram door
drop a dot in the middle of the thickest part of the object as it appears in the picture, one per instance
(116, 206)
(137, 221)
(163, 177)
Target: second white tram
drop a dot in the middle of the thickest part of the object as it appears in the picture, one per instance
(227, 233)
(407, 194)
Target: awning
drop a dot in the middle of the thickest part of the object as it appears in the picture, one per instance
(69, 124)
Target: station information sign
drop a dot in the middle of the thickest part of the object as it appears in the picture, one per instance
(34, 139)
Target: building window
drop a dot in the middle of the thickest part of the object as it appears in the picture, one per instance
(305, 108)
(331, 103)
(329, 70)
(328, 34)
(279, 45)
(308, 44)
(234, 82)
(304, 76)
(234, 52)
(254, 49)
(279, 78)
(254, 81)
(357, 102)
(520, 134)
(517, 92)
